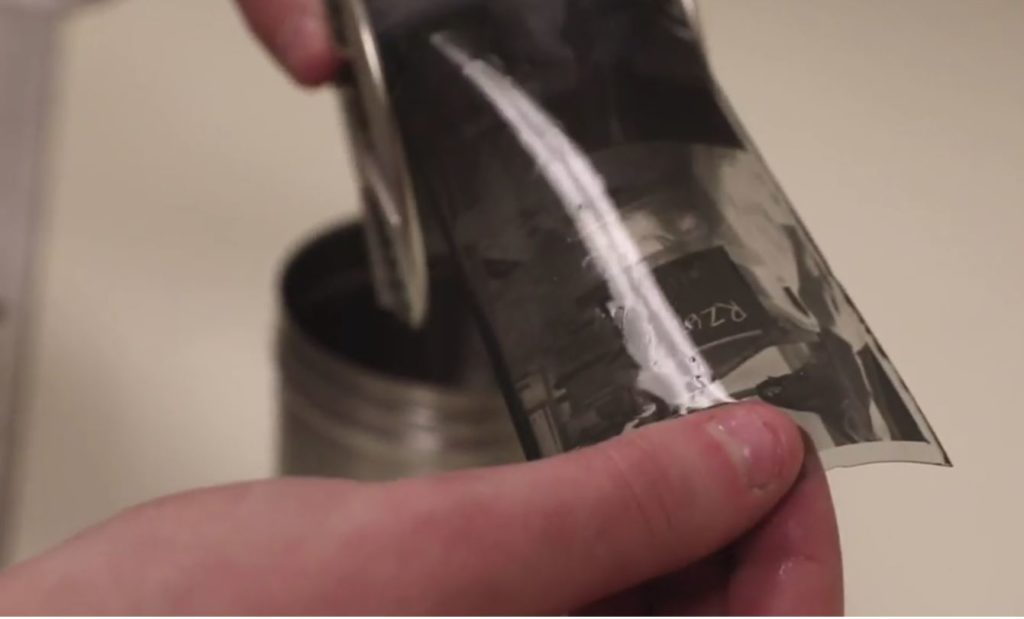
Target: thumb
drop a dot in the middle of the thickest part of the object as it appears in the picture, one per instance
(296, 33)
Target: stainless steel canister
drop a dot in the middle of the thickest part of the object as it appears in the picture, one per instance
(362, 396)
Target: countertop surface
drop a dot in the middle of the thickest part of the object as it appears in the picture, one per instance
(185, 168)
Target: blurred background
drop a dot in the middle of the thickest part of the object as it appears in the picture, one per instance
(182, 169)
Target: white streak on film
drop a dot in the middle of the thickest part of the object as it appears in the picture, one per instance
(671, 366)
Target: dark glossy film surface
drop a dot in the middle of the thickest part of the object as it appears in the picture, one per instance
(630, 254)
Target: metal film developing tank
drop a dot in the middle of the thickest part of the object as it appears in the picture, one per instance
(629, 254)
(362, 396)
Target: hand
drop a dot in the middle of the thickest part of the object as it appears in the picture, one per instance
(699, 515)
(296, 33)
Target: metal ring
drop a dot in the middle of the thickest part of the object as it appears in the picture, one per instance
(393, 218)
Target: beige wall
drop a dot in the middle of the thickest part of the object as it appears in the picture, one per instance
(186, 167)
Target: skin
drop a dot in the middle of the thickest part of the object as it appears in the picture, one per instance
(296, 35)
(719, 513)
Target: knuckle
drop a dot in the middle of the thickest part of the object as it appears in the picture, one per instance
(656, 493)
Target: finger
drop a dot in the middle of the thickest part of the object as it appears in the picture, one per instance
(552, 536)
(249, 549)
(792, 564)
(544, 537)
(297, 34)
(698, 590)
(640, 601)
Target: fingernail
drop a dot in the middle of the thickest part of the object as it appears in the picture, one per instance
(301, 40)
(752, 443)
